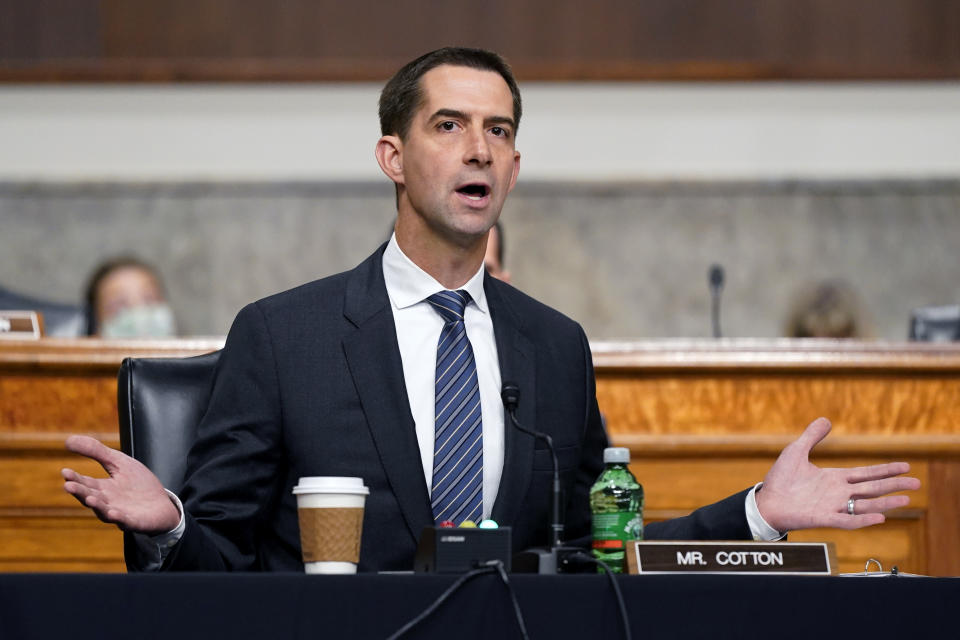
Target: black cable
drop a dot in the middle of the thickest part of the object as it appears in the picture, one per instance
(621, 604)
(513, 597)
(494, 566)
(436, 603)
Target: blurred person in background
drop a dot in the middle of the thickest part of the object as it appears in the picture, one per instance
(493, 258)
(826, 309)
(126, 299)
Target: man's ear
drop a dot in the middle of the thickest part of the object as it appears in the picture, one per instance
(516, 171)
(389, 153)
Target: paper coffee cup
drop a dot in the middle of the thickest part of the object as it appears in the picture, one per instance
(330, 510)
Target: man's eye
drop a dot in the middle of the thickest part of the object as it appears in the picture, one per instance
(448, 126)
(500, 132)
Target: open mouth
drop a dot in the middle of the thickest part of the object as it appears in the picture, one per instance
(475, 191)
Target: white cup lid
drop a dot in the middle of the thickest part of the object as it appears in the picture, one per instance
(331, 484)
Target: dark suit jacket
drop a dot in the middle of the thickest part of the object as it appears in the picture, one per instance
(310, 383)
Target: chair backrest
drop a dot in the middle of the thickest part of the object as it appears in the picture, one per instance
(160, 401)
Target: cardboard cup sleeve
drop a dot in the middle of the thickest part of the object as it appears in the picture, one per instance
(331, 534)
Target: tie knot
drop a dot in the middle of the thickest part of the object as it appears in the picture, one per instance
(450, 304)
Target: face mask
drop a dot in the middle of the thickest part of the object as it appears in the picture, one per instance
(150, 321)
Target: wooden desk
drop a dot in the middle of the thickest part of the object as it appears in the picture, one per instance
(703, 419)
(706, 418)
(49, 389)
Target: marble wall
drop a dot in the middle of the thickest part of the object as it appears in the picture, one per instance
(625, 259)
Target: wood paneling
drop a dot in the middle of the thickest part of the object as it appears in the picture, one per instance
(777, 387)
(48, 390)
(83, 403)
(738, 402)
(77, 539)
(675, 486)
(310, 40)
(900, 543)
(50, 30)
(942, 530)
(703, 419)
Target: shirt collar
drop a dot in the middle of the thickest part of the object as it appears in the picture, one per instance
(408, 284)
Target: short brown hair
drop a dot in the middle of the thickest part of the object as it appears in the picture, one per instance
(402, 94)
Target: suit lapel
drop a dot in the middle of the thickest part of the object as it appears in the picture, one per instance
(518, 365)
(373, 357)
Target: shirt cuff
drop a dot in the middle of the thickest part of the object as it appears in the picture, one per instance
(759, 529)
(153, 550)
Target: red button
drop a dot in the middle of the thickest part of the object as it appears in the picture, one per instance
(447, 524)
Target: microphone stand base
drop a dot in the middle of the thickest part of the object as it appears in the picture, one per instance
(547, 562)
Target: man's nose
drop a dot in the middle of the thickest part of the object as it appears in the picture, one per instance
(478, 149)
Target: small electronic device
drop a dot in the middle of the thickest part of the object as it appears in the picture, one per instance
(935, 324)
(461, 549)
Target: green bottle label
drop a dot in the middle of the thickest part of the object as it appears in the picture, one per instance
(611, 531)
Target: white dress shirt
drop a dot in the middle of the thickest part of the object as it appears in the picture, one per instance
(418, 331)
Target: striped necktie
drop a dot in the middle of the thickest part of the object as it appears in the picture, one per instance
(457, 492)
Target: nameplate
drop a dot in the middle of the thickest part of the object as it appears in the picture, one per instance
(742, 558)
(20, 325)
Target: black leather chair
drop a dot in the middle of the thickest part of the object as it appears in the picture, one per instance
(160, 401)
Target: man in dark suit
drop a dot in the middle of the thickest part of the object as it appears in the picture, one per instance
(337, 377)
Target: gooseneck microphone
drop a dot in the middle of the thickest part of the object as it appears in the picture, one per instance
(510, 394)
(716, 286)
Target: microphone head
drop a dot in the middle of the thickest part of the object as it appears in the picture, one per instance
(510, 394)
(716, 276)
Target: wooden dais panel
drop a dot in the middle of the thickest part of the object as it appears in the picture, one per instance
(703, 419)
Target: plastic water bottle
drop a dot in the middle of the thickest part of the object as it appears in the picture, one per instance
(616, 501)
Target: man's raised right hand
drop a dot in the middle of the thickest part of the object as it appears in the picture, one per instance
(131, 498)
